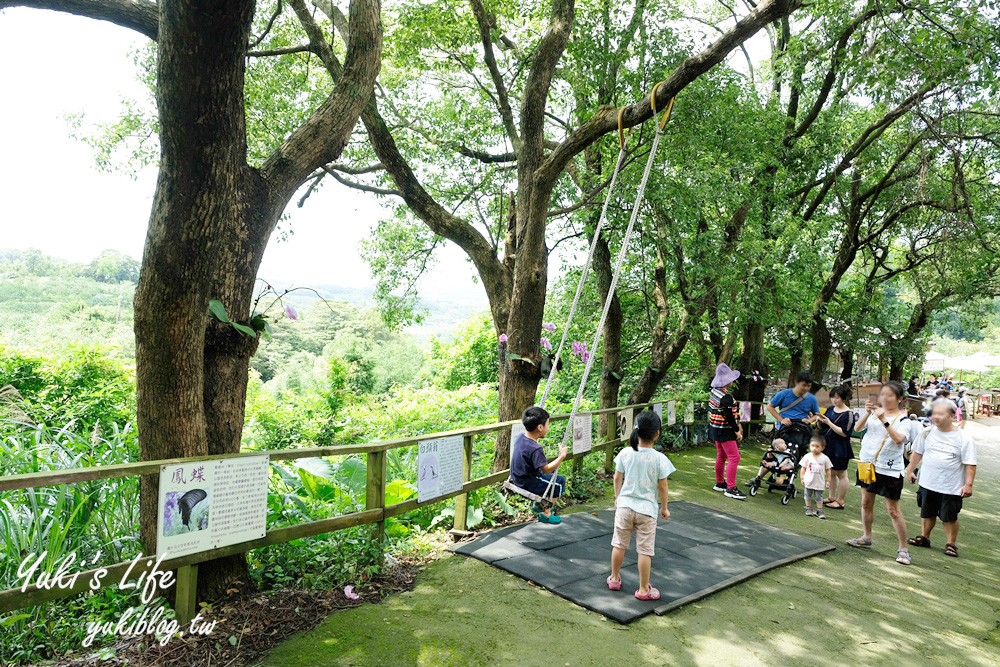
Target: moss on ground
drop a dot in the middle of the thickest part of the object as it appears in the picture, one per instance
(845, 607)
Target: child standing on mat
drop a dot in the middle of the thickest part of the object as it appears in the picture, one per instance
(725, 430)
(640, 496)
(529, 467)
(816, 475)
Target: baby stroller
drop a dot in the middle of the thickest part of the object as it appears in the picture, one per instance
(782, 476)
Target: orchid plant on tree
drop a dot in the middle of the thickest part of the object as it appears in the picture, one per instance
(260, 318)
(579, 350)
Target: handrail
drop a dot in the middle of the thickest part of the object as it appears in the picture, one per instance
(90, 473)
(375, 513)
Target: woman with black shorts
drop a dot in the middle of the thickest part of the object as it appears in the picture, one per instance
(887, 430)
(836, 424)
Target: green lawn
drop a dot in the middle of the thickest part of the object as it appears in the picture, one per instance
(845, 607)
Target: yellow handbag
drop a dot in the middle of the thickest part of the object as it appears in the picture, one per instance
(866, 469)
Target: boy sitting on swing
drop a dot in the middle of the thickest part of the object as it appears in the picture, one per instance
(529, 467)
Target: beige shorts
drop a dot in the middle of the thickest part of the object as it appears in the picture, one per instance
(627, 520)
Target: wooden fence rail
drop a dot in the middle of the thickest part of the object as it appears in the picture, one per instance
(375, 512)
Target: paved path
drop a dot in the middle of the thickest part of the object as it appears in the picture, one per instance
(846, 607)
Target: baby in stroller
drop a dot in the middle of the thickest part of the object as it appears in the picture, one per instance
(777, 459)
(779, 465)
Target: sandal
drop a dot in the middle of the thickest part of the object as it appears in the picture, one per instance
(614, 585)
(951, 550)
(919, 541)
(860, 542)
(833, 505)
(903, 556)
(652, 594)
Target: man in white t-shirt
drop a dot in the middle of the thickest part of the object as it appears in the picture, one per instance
(946, 476)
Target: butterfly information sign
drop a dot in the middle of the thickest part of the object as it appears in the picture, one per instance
(204, 505)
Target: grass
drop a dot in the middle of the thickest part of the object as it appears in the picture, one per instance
(847, 606)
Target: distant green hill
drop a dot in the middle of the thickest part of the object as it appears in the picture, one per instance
(47, 304)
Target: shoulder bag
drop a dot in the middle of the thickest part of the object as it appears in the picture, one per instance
(866, 469)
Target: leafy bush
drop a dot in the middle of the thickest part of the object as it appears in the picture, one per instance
(85, 387)
(468, 358)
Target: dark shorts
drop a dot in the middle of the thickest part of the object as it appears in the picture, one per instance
(538, 485)
(840, 462)
(890, 488)
(941, 505)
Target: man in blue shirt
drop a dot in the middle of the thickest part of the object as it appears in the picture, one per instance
(795, 405)
(529, 467)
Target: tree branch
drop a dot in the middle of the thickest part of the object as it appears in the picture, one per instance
(362, 186)
(606, 119)
(140, 15)
(282, 51)
(322, 138)
(486, 23)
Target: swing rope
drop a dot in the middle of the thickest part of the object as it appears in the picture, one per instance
(586, 267)
(626, 240)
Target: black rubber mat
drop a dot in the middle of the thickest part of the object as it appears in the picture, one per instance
(698, 552)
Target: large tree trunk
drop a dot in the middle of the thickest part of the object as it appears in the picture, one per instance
(847, 354)
(202, 186)
(752, 358)
(795, 356)
(611, 375)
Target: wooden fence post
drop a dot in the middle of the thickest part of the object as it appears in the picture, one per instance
(609, 451)
(187, 589)
(375, 491)
(462, 501)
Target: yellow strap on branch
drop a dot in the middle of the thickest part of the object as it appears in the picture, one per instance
(652, 104)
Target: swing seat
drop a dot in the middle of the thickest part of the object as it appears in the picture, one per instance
(513, 488)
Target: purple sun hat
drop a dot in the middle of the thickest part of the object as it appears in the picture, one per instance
(724, 375)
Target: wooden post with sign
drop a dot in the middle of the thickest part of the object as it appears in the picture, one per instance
(462, 500)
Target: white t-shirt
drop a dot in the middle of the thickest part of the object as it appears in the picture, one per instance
(643, 470)
(946, 453)
(814, 467)
(890, 460)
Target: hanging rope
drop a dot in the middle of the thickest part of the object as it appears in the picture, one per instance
(586, 267)
(550, 489)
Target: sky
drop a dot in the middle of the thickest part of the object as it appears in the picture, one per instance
(53, 196)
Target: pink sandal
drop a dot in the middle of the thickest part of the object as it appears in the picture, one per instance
(614, 585)
(653, 594)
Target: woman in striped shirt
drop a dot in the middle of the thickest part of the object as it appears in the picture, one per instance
(725, 430)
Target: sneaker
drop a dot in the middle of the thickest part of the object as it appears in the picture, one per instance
(719, 487)
(820, 515)
(810, 512)
(736, 494)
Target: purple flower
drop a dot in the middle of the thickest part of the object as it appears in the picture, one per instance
(350, 594)
(548, 326)
(290, 313)
(503, 338)
(585, 356)
(580, 349)
(544, 342)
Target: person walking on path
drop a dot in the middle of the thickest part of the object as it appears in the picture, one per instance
(887, 430)
(946, 477)
(836, 424)
(725, 430)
